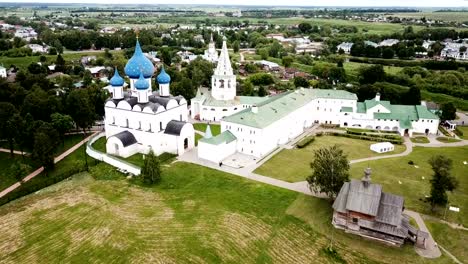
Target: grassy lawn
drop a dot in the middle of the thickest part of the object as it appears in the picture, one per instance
(292, 165)
(137, 159)
(389, 172)
(420, 139)
(464, 129)
(449, 238)
(68, 142)
(447, 139)
(6, 174)
(100, 145)
(197, 137)
(215, 129)
(195, 215)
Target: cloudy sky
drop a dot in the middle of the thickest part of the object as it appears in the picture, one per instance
(402, 3)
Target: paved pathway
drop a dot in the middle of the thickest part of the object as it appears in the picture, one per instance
(431, 250)
(41, 169)
(17, 152)
(409, 149)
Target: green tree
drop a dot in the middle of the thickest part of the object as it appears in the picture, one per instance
(263, 52)
(447, 111)
(287, 61)
(151, 171)
(247, 89)
(235, 46)
(442, 180)
(371, 74)
(305, 27)
(330, 169)
(301, 82)
(87, 78)
(413, 96)
(7, 126)
(19, 170)
(261, 91)
(62, 123)
(388, 53)
(60, 63)
(82, 112)
(45, 144)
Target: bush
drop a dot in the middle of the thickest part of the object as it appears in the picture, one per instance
(305, 142)
(329, 126)
(38, 183)
(319, 134)
(411, 162)
(444, 131)
(367, 137)
(458, 132)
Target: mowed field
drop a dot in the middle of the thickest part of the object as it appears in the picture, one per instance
(444, 16)
(412, 181)
(298, 161)
(195, 215)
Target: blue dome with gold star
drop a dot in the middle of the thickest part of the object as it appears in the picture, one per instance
(163, 77)
(138, 63)
(141, 83)
(116, 80)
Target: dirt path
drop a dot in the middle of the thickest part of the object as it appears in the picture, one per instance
(41, 169)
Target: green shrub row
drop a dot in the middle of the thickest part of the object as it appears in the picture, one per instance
(305, 142)
(329, 126)
(369, 138)
(444, 131)
(37, 184)
(389, 136)
(458, 132)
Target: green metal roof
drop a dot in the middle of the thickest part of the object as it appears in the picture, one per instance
(278, 106)
(411, 112)
(225, 137)
(424, 112)
(361, 108)
(205, 96)
(347, 109)
(405, 123)
(371, 103)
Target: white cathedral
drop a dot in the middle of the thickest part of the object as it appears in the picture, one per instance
(139, 119)
(221, 101)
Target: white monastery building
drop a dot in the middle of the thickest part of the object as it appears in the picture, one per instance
(221, 101)
(139, 119)
(262, 127)
(211, 54)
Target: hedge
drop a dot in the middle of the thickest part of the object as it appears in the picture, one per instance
(458, 132)
(444, 131)
(388, 136)
(369, 138)
(37, 184)
(305, 142)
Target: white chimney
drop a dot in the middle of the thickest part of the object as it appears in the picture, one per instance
(254, 109)
(377, 97)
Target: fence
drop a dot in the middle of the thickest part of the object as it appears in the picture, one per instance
(111, 160)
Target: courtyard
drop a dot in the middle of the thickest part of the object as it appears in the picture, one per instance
(298, 160)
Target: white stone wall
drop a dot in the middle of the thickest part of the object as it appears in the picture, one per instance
(216, 153)
(148, 128)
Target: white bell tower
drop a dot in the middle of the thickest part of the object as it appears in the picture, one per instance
(223, 82)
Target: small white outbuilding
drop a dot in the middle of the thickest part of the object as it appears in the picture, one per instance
(382, 147)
